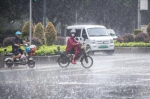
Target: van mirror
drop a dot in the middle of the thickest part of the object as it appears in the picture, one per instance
(112, 34)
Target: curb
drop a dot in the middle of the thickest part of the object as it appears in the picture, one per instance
(132, 50)
(45, 59)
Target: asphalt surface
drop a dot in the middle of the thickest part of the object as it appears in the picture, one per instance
(120, 76)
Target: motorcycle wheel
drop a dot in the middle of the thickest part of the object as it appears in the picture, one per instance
(9, 63)
(31, 63)
(63, 61)
(87, 61)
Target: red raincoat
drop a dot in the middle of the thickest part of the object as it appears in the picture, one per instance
(71, 44)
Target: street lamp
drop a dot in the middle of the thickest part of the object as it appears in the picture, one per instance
(44, 21)
(76, 17)
(139, 15)
(31, 20)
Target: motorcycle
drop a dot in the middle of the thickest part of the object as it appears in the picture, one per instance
(65, 58)
(25, 58)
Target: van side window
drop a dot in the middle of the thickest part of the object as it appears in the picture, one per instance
(78, 32)
(84, 33)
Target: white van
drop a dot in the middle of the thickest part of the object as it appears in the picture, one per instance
(95, 37)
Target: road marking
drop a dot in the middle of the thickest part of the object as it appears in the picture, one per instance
(77, 83)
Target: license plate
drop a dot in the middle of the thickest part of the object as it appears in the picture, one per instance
(103, 46)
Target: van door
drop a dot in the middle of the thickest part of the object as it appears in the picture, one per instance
(84, 36)
(78, 35)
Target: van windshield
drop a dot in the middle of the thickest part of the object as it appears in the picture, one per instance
(97, 32)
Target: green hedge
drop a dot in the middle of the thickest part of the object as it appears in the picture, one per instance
(41, 51)
(9, 49)
(48, 50)
(52, 50)
(132, 44)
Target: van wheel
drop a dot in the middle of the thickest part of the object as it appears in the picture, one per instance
(109, 52)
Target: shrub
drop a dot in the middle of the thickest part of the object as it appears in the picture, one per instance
(60, 40)
(148, 29)
(36, 41)
(146, 40)
(39, 32)
(142, 37)
(50, 34)
(8, 41)
(119, 39)
(9, 49)
(128, 37)
(26, 29)
(136, 31)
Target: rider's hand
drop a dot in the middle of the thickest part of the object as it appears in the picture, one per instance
(77, 43)
(20, 45)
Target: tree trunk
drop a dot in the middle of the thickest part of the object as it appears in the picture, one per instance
(63, 29)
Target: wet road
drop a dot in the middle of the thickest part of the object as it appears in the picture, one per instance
(120, 76)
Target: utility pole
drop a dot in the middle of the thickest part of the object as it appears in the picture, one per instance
(44, 20)
(104, 17)
(30, 21)
(139, 15)
(76, 17)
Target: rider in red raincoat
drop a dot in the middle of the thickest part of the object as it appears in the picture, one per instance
(73, 44)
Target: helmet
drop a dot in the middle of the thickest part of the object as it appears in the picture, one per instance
(73, 31)
(18, 32)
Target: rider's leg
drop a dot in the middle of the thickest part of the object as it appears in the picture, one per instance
(76, 56)
(77, 52)
(73, 60)
(17, 54)
(21, 51)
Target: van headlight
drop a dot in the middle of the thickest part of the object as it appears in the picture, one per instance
(93, 42)
(111, 41)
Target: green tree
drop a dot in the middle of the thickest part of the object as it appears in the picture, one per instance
(26, 30)
(148, 29)
(39, 32)
(50, 34)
